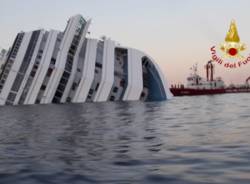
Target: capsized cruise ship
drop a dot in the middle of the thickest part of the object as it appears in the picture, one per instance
(57, 67)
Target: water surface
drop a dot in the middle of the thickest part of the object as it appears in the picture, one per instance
(202, 139)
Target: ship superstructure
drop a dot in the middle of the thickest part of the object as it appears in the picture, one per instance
(195, 81)
(3, 54)
(57, 67)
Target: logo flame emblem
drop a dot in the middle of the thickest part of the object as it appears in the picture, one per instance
(232, 46)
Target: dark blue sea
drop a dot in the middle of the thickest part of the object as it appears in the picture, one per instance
(187, 140)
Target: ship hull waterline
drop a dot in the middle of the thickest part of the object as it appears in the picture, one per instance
(198, 92)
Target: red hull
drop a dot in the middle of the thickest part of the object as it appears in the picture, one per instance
(193, 92)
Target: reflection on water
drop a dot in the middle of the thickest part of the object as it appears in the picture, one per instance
(185, 140)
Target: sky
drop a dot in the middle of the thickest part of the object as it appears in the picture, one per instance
(175, 33)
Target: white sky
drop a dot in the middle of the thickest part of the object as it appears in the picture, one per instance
(176, 33)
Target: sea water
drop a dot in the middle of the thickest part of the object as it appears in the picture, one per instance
(203, 139)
